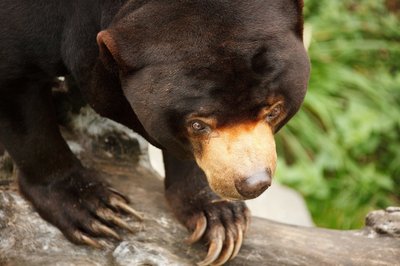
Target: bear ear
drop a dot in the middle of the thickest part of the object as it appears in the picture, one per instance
(108, 51)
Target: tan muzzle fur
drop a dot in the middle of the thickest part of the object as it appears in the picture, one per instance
(232, 154)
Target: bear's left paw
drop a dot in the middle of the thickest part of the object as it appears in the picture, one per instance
(222, 224)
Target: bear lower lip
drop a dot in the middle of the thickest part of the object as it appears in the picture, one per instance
(229, 198)
(225, 195)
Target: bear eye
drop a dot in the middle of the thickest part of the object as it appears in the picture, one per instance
(199, 127)
(274, 113)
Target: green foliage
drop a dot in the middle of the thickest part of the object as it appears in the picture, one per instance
(342, 150)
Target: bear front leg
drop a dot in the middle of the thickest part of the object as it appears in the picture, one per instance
(221, 223)
(62, 191)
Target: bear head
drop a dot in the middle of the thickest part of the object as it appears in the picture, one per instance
(213, 81)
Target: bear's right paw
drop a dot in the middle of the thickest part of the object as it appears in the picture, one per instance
(81, 206)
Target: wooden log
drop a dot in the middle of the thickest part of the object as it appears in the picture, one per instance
(27, 240)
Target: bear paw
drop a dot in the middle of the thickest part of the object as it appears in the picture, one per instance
(221, 223)
(81, 206)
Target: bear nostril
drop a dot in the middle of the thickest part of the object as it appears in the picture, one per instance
(252, 186)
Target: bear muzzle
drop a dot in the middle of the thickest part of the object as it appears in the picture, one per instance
(239, 161)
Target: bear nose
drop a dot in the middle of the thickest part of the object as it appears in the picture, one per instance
(252, 186)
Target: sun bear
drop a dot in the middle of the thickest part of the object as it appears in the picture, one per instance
(207, 81)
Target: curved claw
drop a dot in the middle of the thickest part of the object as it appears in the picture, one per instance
(120, 194)
(226, 253)
(215, 249)
(111, 217)
(115, 202)
(201, 226)
(239, 241)
(83, 239)
(100, 228)
(121, 223)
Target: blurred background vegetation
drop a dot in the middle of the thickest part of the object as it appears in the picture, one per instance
(342, 150)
